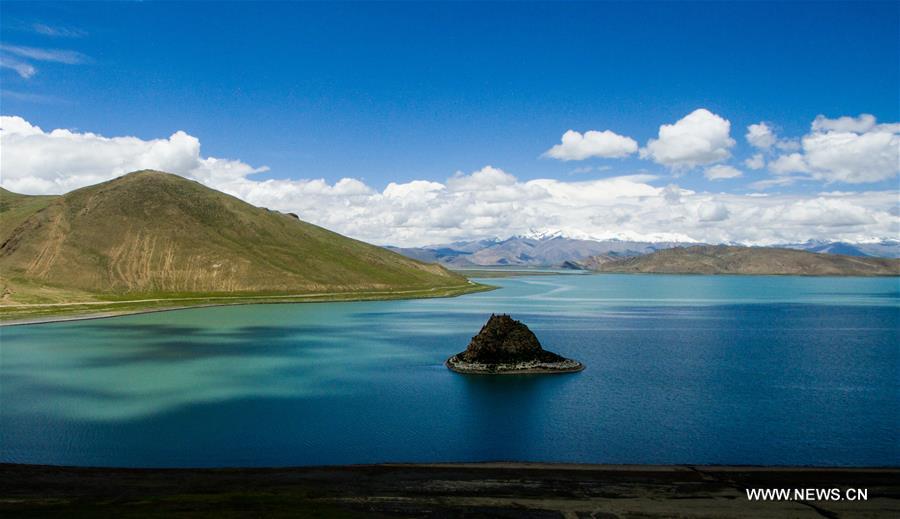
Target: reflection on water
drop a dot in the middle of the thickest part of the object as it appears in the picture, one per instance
(679, 369)
(506, 414)
(105, 369)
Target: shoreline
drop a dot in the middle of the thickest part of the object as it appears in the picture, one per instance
(507, 489)
(330, 297)
(539, 368)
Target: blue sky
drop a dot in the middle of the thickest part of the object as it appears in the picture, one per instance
(394, 92)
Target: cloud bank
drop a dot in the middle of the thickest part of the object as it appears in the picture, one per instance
(852, 150)
(484, 203)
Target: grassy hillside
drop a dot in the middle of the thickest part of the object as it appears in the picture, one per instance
(721, 259)
(16, 208)
(156, 235)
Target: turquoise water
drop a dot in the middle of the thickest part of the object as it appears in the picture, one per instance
(680, 369)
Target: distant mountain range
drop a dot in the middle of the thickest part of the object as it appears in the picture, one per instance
(524, 251)
(723, 259)
(881, 249)
(557, 250)
(153, 234)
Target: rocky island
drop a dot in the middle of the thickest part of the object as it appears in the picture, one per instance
(506, 346)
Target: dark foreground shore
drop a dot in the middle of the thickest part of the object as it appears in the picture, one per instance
(443, 490)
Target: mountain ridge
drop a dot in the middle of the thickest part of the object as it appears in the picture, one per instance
(556, 249)
(724, 259)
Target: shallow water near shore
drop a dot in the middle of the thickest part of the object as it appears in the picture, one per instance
(679, 369)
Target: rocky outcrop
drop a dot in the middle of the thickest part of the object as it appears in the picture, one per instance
(505, 346)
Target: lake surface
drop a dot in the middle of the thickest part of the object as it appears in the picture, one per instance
(680, 369)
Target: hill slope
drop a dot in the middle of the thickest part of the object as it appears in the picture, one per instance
(749, 260)
(156, 233)
(16, 208)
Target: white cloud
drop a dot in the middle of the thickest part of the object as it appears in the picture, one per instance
(12, 56)
(773, 182)
(57, 31)
(606, 144)
(485, 179)
(712, 212)
(788, 144)
(852, 150)
(485, 203)
(839, 156)
(35, 161)
(757, 161)
(861, 124)
(722, 172)
(699, 138)
(68, 57)
(761, 136)
(24, 70)
(786, 164)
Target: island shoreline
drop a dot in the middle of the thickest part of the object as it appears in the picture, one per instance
(463, 370)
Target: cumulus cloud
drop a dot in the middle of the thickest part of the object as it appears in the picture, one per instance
(35, 161)
(757, 161)
(605, 144)
(722, 172)
(852, 150)
(844, 156)
(484, 203)
(785, 164)
(487, 178)
(761, 136)
(861, 124)
(712, 212)
(697, 139)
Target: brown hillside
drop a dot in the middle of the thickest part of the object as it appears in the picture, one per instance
(156, 233)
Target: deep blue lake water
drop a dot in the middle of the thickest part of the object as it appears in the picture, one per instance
(680, 369)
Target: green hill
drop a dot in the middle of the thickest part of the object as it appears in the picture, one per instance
(16, 208)
(710, 259)
(156, 235)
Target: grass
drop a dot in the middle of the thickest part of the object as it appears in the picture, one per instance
(16, 208)
(39, 312)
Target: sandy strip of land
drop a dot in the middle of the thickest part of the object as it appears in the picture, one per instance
(181, 303)
(442, 490)
(213, 298)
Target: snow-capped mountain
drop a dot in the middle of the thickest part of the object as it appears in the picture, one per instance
(534, 250)
(554, 248)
